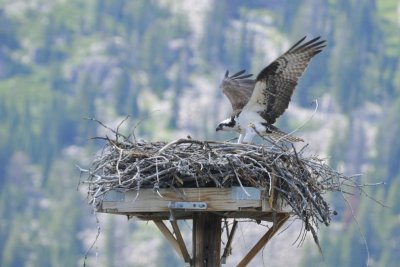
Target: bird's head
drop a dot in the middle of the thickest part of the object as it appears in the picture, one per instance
(227, 125)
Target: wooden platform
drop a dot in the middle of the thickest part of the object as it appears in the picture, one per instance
(234, 202)
(206, 207)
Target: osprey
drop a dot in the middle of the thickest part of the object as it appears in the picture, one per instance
(256, 104)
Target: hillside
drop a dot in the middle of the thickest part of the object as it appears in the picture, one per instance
(161, 63)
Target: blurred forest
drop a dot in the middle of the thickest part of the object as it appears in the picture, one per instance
(161, 63)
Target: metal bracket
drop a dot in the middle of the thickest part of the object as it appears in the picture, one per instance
(187, 205)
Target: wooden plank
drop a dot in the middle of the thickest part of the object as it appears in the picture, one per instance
(281, 219)
(217, 199)
(188, 215)
(228, 250)
(206, 239)
(170, 237)
(180, 241)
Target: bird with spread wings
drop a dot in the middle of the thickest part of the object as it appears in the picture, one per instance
(256, 104)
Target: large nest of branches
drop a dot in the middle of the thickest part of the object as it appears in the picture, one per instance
(300, 180)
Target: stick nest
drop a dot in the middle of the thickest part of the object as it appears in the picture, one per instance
(277, 169)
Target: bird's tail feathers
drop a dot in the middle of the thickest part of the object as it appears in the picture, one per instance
(278, 135)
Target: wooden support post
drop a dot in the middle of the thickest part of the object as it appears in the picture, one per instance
(281, 219)
(181, 243)
(177, 243)
(228, 250)
(206, 239)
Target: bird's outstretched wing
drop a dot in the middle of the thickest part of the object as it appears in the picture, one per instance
(276, 82)
(238, 88)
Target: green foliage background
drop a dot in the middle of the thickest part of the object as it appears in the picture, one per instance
(61, 61)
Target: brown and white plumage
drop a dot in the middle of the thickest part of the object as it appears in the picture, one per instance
(238, 88)
(276, 82)
(272, 93)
